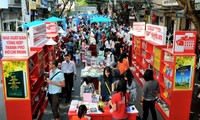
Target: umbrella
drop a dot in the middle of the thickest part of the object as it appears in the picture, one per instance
(53, 19)
(100, 19)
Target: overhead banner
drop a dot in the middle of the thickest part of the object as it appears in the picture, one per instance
(156, 34)
(51, 29)
(185, 41)
(139, 28)
(14, 44)
(37, 35)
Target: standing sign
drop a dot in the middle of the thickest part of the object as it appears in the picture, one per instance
(156, 34)
(139, 28)
(51, 29)
(15, 44)
(37, 34)
(185, 41)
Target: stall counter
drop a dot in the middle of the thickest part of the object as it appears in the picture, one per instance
(106, 115)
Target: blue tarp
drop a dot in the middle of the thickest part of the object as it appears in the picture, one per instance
(36, 22)
(100, 19)
(76, 21)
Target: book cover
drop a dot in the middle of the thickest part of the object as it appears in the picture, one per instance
(183, 78)
(15, 85)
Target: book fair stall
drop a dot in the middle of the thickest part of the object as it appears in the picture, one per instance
(96, 109)
(173, 67)
(26, 56)
(93, 66)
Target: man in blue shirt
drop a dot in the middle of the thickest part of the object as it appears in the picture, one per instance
(56, 81)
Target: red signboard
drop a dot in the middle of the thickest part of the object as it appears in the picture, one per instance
(185, 41)
(139, 28)
(51, 29)
(156, 33)
(15, 44)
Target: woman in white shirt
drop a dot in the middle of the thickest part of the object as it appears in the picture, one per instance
(87, 86)
(109, 44)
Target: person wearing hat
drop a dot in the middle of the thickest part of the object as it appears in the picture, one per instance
(68, 67)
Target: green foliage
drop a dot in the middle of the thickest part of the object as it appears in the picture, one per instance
(81, 3)
(56, 13)
(96, 1)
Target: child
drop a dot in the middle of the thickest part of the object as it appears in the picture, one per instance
(78, 57)
(81, 113)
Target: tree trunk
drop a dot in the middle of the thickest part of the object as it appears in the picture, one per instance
(63, 9)
(190, 12)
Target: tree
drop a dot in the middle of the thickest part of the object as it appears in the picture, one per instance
(65, 3)
(98, 3)
(136, 6)
(191, 13)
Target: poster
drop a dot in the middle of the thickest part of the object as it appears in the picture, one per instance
(185, 41)
(32, 5)
(139, 28)
(184, 73)
(137, 43)
(14, 44)
(156, 34)
(51, 29)
(37, 35)
(157, 58)
(15, 79)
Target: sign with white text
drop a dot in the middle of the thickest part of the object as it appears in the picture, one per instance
(15, 44)
(139, 28)
(156, 34)
(185, 41)
(169, 3)
(37, 35)
(51, 29)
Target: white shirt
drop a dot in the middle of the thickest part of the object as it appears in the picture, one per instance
(68, 67)
(78, 56)
(109, 61)
(108, 44)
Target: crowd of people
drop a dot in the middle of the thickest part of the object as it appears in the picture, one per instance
(116, 86)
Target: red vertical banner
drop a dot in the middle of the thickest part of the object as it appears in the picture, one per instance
(185, 41)
(51, 29)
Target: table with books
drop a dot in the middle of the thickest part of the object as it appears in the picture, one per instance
(94, 72)
(98, 110)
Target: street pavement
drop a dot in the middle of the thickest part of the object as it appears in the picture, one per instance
(65, 106)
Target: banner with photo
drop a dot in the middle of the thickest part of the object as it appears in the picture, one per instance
(15, 79)
(184, 73)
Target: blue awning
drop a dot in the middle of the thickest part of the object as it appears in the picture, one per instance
(36, 22)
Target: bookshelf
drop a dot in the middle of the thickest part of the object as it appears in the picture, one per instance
(25, 96)
(173, 71)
